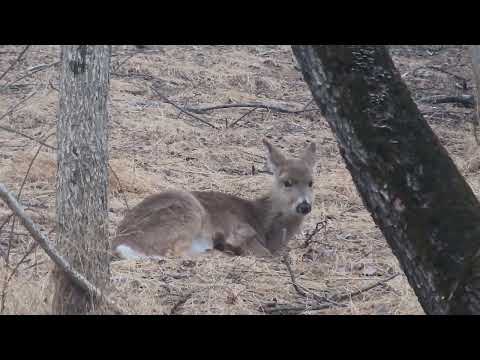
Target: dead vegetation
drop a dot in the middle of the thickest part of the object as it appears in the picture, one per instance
(155, 146)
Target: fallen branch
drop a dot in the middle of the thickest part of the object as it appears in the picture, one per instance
(293, 309)
(182, 109)
(256, 105)
(304, 291)
(77, 278)
(467, 101)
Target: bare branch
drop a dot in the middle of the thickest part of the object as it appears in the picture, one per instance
(303, 291)
(77, 278)
(257, 105)
(295, 309)
(182, 109)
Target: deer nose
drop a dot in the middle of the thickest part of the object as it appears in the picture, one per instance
(304, 208)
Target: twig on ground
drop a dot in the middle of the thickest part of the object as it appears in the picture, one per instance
(182, 109)
(241, 117)
(257, 105)
(467, 101)
(76, 278)
(319, 226)
(286, 260)
(296, 309)
(19, 57)
(303, 291)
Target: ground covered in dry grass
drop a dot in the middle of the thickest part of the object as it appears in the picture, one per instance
(154, 146)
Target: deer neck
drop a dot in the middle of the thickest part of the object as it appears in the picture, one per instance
(277, 227)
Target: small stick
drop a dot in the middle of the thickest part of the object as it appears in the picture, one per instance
(319, 226)
(241, 117)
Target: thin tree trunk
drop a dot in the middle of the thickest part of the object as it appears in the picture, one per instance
(82, 234)
(475, 55)
(425, 209)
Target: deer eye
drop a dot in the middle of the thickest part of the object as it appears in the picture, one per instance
(310, 184)
(287, 183)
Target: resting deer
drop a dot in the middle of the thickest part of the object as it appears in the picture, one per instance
(188, 223)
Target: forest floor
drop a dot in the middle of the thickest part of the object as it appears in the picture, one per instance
(340, 252)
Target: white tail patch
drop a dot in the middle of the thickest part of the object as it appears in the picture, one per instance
(127, 253)
(200, 245)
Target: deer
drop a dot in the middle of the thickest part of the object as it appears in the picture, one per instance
(183, 223)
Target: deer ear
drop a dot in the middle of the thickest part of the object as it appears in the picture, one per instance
(275, 159)
(309, 155)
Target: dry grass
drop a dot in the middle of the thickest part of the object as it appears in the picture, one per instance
(153, 147)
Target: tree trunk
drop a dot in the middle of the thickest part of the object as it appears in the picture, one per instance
(475, 55)
(82, 174)
(414, 192)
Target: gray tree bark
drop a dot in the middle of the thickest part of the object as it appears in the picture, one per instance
(82, 175)
(475, 56)
(414, 192)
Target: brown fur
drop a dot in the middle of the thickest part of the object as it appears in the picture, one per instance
(170, 222)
